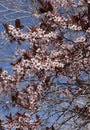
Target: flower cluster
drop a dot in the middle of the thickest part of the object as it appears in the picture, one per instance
(61, 3)
(41, 35)
(29, 97)
(75, 27)
(16, 33)
(80, 39)
(57, 19)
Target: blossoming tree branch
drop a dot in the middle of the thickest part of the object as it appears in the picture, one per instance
(54, 71)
